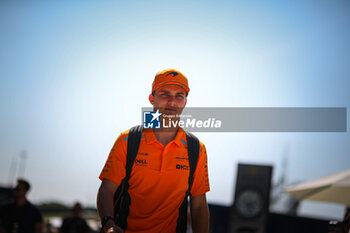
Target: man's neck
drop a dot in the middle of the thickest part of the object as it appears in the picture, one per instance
(21, 201)
(165, 136)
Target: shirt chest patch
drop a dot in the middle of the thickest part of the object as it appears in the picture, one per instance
(175, 159)
(181, 163)
(141, 162)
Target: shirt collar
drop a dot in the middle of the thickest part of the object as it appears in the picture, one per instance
(149, 135)
(180, 138)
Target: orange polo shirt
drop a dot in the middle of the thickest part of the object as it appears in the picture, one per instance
(158, 181)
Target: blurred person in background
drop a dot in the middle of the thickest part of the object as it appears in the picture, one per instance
(21, 216)
(341, 227)
(346, 221)
(75, 223)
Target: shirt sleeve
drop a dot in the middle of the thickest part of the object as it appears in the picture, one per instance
(38, 216)
(114, 168)
(35, 214)
(201, 177)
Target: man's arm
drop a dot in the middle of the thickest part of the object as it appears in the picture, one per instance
(39, 227)
(199, 214)
(105, 204)
(38, 220)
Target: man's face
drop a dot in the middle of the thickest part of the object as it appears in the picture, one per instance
(169, 99)
(19, 191)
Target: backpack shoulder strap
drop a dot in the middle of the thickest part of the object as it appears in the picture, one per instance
(193, 153)
(133, 147)
(121, 196)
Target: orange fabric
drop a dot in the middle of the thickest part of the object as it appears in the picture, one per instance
(158, 181)
(170, 76)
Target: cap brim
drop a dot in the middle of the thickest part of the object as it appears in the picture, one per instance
(172, 83)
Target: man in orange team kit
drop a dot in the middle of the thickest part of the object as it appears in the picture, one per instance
(158, 183)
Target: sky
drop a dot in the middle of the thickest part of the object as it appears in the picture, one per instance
(74, 74)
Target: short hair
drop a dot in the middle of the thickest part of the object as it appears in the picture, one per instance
(77, 207)
(24, 183)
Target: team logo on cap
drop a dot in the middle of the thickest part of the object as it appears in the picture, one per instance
(174, 73)
(151, 119)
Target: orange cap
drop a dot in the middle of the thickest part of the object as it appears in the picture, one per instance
(170, 76)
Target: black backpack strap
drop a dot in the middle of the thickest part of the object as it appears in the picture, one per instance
(193, 154)
(133, 147)
(121, 197)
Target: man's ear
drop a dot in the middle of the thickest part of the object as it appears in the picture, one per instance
(185, 102)
(151, 99)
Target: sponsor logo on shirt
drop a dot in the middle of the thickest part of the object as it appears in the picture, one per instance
(181, 158)
(182, 167)
(141, 153)
(141, 162)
